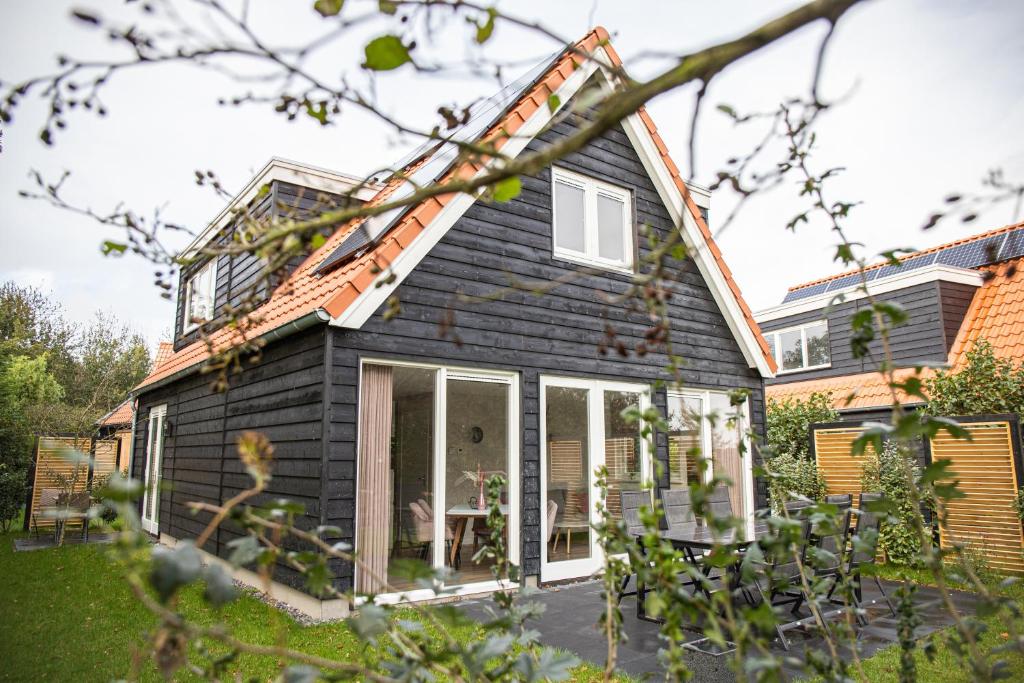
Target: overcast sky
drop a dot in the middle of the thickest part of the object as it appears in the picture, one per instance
(937, 100)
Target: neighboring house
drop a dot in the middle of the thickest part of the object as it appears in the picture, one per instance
(955, 294)
(380, 419)
(117, 424)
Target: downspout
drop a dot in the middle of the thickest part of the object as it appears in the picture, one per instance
(288, 329)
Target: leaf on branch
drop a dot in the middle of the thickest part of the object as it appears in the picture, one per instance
(507, 189)
(110, 247)
(220, 590)
(85, 17)
(484, 31)
(727, 110)
(328, 8)
(386, 53)
(319, 112)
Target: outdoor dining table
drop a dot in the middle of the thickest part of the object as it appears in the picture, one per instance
(462, 514)
(693, 542)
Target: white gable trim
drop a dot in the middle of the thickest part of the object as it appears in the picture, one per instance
(287, 171)
(369, 301)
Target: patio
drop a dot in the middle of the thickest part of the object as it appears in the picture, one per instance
(572, 613)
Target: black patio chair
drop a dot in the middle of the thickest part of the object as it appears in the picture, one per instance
(844, 501)
(865, 553)
(781, 584)
(632, 501)
(826, 551)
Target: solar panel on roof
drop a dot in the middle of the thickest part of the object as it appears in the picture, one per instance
(1013, 245)
(972, 254)
(483, 115)
(805, 292)
(907, 265)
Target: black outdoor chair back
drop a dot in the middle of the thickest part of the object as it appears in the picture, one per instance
(678, 509)
(795, 508)
(844, 501)
(866, 549)
(828, 544)
(720, 503)
(632, 501)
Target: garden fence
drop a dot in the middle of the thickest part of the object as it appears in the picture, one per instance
(987, 467)
(56, 467)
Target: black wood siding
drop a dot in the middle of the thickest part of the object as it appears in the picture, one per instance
(922, 338)
(556, 334)
(280, 396)
(240, 277)
(956, 299)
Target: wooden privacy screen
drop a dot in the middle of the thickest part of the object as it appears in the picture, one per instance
(833, 449)
(987, 471)
(52, 464)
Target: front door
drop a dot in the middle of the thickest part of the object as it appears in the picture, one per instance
(154, 456)
(584, 427)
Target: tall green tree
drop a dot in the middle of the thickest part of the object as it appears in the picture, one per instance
(985, 385)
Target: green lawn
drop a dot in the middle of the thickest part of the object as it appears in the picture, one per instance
(947, 667)
(66, 615)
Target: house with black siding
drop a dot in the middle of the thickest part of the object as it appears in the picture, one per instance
(410, 357)
(954, 295)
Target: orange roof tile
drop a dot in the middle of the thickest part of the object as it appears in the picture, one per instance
(163, 353)
(120, 415)
(965, 240)
(996, 314)
(864, 390)
(306, 291)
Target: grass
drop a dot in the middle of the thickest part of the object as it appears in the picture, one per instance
(65, 614)
(947, 667)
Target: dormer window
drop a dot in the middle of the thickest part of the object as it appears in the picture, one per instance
(199, 296)
(804, 347)
(593, 221)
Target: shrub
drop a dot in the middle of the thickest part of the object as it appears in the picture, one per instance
(884, 472)
(792, 476)
(12, 495)
(985, 385)
(789, 423)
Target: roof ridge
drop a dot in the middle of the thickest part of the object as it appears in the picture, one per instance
(921, 252)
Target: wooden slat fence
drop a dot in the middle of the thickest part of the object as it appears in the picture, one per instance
(833, 449)
(987, 467)
(987, 472)
(52, 465)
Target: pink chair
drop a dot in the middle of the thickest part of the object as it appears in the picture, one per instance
(552, 514)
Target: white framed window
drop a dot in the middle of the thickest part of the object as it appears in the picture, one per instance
(592, 221)
(200, 292)
(802, 347)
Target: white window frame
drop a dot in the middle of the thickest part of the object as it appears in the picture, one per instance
(592, 187)
(442, 373)
(706, 444)
(571, 569)
(154, 460)
(187, 324)
(776, 334)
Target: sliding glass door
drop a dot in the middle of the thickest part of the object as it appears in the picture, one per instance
(429, 439)
(154, 458)
(584, 426)
(704, 423)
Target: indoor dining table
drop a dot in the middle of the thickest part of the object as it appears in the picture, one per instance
(462, 514)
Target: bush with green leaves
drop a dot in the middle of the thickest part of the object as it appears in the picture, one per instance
(791, 477)
(985, 385)
(886, 472)
(789, 421)
(12, 495)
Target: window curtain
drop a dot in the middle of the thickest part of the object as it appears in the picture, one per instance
(725, 448)
(373, 518)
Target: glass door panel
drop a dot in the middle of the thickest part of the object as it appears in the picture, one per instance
(685, 439)
(622, 448)
(728, 462)
(410, 485)
(476, 449)
(566, 512)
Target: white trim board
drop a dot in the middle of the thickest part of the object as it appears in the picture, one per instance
(370, 300)
(285, 171)
(932, 273)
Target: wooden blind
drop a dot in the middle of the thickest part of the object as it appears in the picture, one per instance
(565, 462)
(987, 472)
(833, 449)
